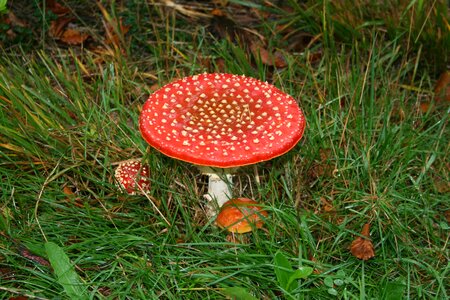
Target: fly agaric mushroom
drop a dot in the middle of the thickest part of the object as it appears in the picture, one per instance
(240, 215)
(132, 177)
(221, 121)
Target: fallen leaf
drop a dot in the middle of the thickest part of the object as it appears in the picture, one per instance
(362, 247)
(7, 274)
(322, 167)
(73, 37)
(447, 216)
(442, 87)
(57, 27)
(56, 8)
(424, 107)
(68, 191)
(13, 20)
(34, 258)
(72, 197)
(275, 59)
(442, 185)
(327, 206)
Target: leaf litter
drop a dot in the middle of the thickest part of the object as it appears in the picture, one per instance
(362, 247)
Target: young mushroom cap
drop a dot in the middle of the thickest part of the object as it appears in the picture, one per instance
(132, 177)
(240, 215)
(221, 120)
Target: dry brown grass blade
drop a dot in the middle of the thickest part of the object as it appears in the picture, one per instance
(184, 11)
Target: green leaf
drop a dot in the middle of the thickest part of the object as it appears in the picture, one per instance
(283, 269)
(300, 273)
(338, 282)
(3, 5)
(65, 272)
(394, 290)
(332, 291)
(328, 281)
(238, 293)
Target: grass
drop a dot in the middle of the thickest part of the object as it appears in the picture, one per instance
(370, 154)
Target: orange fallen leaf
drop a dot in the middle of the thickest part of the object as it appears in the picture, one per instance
(74, 37)
(72, 197)
(442, 88)
(362, 247)
(424, 107)
(71, 36)
(68, 191)
(326, 205)
(57, 27)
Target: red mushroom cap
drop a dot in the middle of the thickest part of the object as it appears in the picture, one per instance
(132, 177)
(240, 215)
(221, 120)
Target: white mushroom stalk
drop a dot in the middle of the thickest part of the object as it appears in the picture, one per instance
(220, 186)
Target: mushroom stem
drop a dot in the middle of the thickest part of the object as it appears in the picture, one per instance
(219, 188)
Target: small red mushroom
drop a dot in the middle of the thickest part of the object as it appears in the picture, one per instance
(240, 215)
(132, 177)
(221, 121)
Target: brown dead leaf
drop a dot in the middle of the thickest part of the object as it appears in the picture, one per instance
(56, 8)
(362, 247)
(322, 167)
(275, 59)
(218, 12)
(424, 107)
(35, 258)
(60, 30)
(57, 27)
(7, 274)
(442, 88)
(68, 191)
(326, 205)
(442, 185)
(447, 216)
(73, 36)
(13, 20)
(72, 197)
